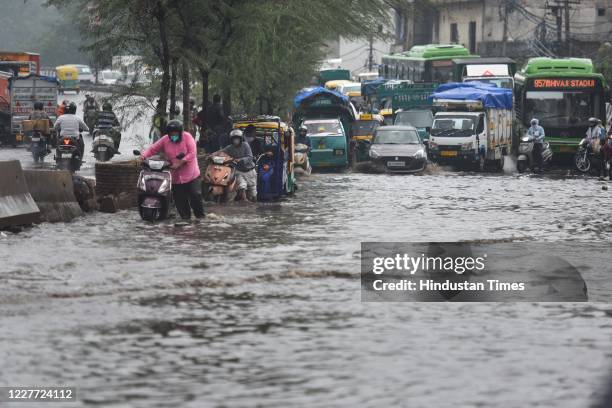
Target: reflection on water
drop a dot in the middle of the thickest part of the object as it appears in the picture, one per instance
(260, 305)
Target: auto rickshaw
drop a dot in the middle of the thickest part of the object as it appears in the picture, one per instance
(388, 116)
(333, 84)
(68, 76)
(362, 135)
(275, 175)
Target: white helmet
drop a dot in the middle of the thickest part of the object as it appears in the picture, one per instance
(236, 133)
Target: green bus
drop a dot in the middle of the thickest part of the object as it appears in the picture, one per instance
(423, 63)
(562, 94)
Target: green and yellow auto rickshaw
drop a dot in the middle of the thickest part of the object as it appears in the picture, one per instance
(68, 77)
(275, 175)
(362, 135)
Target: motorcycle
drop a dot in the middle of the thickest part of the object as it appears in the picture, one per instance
(154, 188)
(586, 158)
(103, 145)
(39, 146)
(68, 155)
(219, 182)
(525, 158)
(301, 159)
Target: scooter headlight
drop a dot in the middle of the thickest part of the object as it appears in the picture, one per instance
(164, 187)
(374, 154)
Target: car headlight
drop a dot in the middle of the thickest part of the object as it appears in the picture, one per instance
(374, 154)
(467, 146)
(420, 154)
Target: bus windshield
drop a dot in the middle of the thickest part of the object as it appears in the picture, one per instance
(557, 108)
(317, 128)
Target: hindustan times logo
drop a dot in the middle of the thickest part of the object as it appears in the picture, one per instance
(413, 264)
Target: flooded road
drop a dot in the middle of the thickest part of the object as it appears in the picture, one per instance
(260, 305)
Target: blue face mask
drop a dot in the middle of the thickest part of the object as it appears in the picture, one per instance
(175, 138)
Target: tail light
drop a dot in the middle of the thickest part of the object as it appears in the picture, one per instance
(66, 142)
(266, 167)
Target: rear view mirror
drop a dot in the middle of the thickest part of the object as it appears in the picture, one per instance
(136, 152)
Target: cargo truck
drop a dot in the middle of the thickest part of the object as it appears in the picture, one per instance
(473, 125)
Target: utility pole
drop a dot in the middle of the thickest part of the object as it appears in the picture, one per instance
(568, 40)
(371, 55)
(505, 33)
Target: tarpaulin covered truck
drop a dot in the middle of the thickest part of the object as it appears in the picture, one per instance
(473, 126)
(21, 64)
(24, 93)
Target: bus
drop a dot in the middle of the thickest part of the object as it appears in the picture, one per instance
(423, 63)
(562, 94)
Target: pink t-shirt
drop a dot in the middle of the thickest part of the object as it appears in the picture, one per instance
(190, 170)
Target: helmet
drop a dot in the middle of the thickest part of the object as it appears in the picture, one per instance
(107, 106)
(304, 129)
(236, 133)
(593, 121)
(38, 106)
(534, 122)
(71, 108)
(174, 125)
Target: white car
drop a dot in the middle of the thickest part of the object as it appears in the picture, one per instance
(108, 77)
(85, 74)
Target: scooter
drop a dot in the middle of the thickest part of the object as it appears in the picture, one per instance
(39, 146)
(68, 155)
(154, 188)
(219, 182)
(90, 120)
(301, 159)
(103, 145)
(525, 154)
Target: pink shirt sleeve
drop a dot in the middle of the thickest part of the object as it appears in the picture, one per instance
(155, 147)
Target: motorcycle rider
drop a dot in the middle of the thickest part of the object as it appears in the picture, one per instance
(107, 120)
(536, 132)
(90, 104)
(186, 183)
(69, 124)
(245, 166)
(303, 136)
(39, 114)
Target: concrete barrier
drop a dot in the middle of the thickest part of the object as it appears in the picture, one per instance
(53, 191)
(17, 207)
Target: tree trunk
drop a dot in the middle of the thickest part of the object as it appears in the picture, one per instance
(205, 91)
(227, 100)
(164, 60)
(174, 68)
(187, 124)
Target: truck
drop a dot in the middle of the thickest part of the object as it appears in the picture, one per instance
(21, 64)
(25, 91)
(498, 71)
(473, 125)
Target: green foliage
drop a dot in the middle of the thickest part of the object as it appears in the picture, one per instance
(603, 61)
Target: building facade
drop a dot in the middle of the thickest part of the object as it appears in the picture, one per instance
(515, 28)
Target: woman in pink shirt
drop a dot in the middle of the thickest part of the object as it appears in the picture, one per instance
(180, 150)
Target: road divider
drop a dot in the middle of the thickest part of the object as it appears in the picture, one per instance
(54, 193)
(17, 207)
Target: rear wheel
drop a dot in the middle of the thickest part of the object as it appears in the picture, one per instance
(522, 166)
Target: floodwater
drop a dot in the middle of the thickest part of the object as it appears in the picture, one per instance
(259, 305)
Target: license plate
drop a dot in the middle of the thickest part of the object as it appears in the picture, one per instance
(66, 155)
(19, 138)
(566, 149)
(396, 164)
(448, 153)
(102, 148)
(36, 139)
